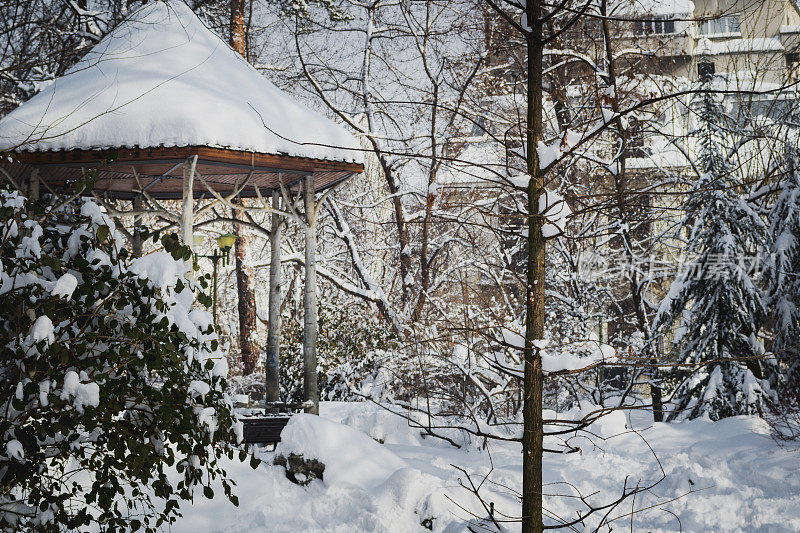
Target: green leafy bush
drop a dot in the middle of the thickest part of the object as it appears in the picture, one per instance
(109, 380)
(349, 347)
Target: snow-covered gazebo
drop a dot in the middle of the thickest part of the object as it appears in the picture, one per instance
(162, 108)
(162, 96)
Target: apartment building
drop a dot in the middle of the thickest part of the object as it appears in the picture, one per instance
(755, 43)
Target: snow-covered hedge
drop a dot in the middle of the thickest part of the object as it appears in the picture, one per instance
(109, 380)
(352, 343)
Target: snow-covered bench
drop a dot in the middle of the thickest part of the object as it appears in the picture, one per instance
(264, 429)
(263, 424)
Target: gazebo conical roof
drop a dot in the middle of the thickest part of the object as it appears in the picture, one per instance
(160, 88)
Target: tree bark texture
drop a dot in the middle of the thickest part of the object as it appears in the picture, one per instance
(238, 32)
(244, 277)
(533, 428)
(310, 386)
(655, 393)
(247, 297)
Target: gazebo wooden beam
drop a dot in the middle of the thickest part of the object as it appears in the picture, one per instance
(159, 170)
(310, 322)
(187, 211)
(205, 154)
(273, 361)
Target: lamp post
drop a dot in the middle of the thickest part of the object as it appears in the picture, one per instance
(224, 244)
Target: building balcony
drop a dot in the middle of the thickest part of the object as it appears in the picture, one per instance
(660, 44)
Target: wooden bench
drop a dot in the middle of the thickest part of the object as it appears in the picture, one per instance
(265, 425)
(264, 429)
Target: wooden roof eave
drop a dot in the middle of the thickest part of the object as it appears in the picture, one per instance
(160, 172)
(209, 155)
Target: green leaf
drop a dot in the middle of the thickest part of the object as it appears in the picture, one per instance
(102, 233)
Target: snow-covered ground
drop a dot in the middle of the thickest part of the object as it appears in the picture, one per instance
(382, 476)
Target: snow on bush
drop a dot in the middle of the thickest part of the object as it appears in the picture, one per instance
(107, 376)
(783, 294)
(353, 343)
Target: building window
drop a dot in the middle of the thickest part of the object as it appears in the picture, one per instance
(635, 142)
(793, 66)
(658, 25)
(705, 68)
(729, 24)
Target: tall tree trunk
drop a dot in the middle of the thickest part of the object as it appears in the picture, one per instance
(244, 277)
(238, 30)
(424, 261)
(387, 168)
(627, 221)
(655, 393)
(247, 297)
(533, 428)
(403, 235)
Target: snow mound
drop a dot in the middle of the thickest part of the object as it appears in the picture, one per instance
(383, 426)
(721, 476)
(162, 78)
(350, 456)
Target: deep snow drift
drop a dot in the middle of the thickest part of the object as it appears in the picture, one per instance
(726, 476)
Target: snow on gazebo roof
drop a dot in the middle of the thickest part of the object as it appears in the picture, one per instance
(164, 79)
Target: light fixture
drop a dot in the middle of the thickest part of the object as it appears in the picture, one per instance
(226, 242)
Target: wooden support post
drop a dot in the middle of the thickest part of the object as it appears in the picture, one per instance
(137, 243)
(187, 216)
(310, 386)
(273, 362)
(33, 184)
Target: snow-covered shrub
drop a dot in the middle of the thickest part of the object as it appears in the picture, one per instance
(350, 339)
(108, 378)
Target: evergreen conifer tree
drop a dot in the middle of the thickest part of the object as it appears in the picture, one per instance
(783, 276)
(717, 304)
